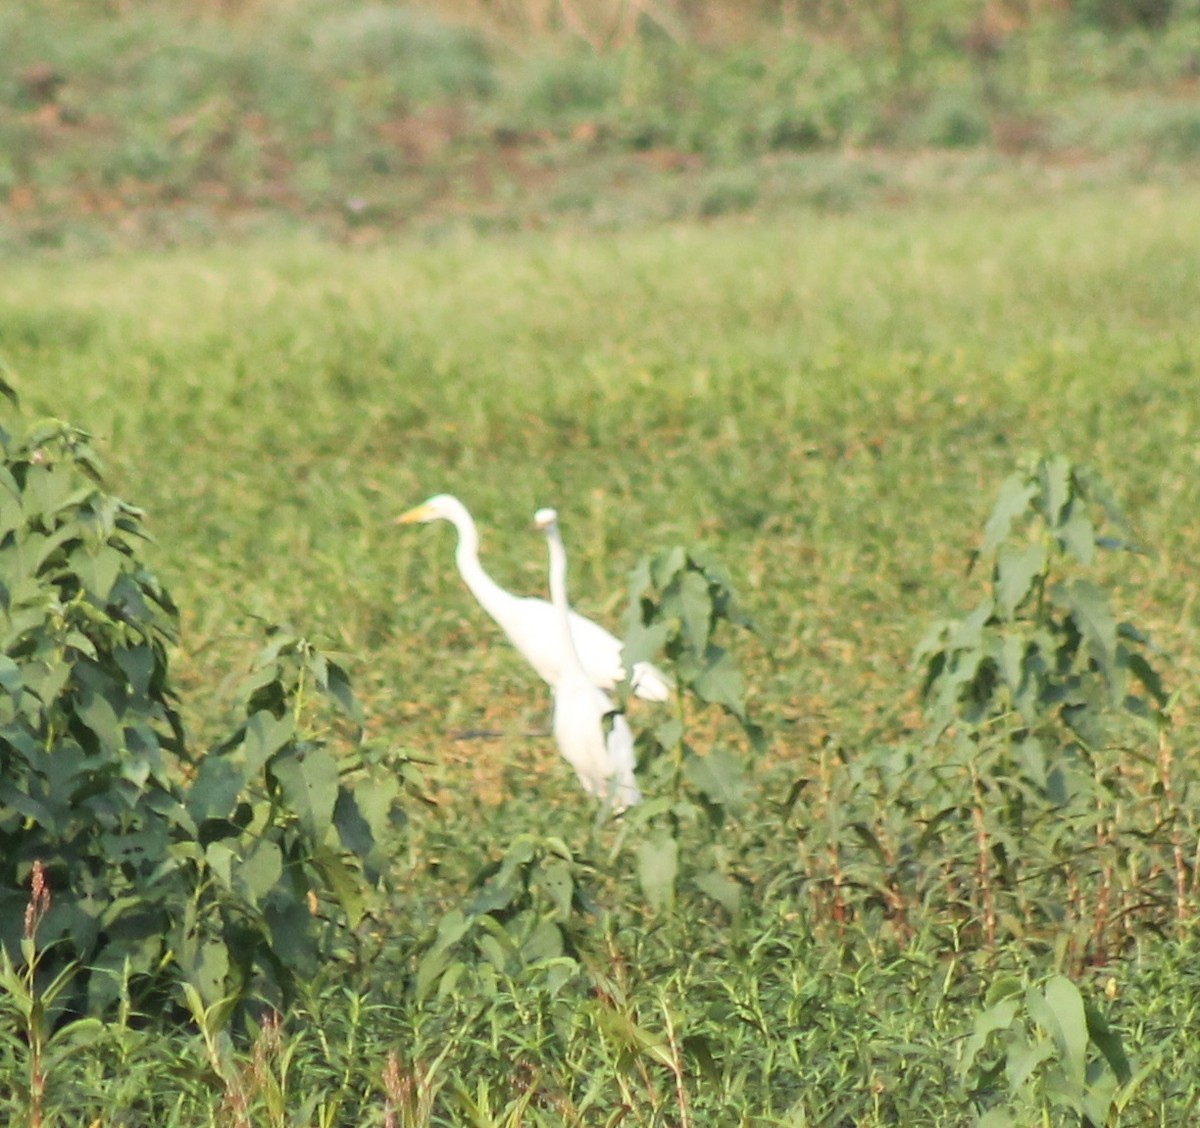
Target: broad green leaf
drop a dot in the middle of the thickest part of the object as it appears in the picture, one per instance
(498, 947)
(556, 879)
(1015, 495)
(696, 610)
(264, 735)
(1108, 1042)
(309, 781)
(291, 928)
(1088, 605)
(545, 942)
(341, 881)
(220, 856)
(98, 569)
(1032, 756)
(138, 664)
(1058, 1009)
(207, 969)
(667, 565)
(11, 681)
(100, 717)
(1146, 674)
(262, 868)
(1010, 660)
(996, 1118)
(999, 1016)
(643, 643)
(1002, 988)
(639, 582)
(340, 690)
(669, 733)
(968, 633)
(718, 776)
(721, 683)
(722, 889)
(1023, 1058)
(215, 789)
(1055, 473)
(658, 867)
(1016, 571)
(493, 895)
(1077, 535)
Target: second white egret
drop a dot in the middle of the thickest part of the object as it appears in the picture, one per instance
(592, 734)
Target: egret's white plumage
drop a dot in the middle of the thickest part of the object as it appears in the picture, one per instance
(531, 623)
(594, 738)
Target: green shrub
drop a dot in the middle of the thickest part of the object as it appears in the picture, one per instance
(229, 873)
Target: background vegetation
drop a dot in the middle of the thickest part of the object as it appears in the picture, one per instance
(160, 122)
(933, 860)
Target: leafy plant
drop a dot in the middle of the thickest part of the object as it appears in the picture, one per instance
(681, 600)
(1042, 653)
(229, 872)
(1040, 696)
(1045, 1049)
(521, 914)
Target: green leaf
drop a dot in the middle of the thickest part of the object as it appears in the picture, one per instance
(658, 868)
(1010, 660)
(11, 681)
(722, 889)
(1108, 1042)
(545, 942)
(341, 881)
(643, 643)
(340, 690)
(996, 1118)
(1013, 500)
(558, 883)
(261, 870)
(206, 967)
(1088, 606)
(1016, 572)
(1023, 1058)
(720, 682)
(1077, 535)
(999, 1016)
(718, 776)
(100, 717)
(219, 856)
(1146, 674)
(696, 610)
(1058, 1009)
(667, 565)
(309, 781)
(265, 734)
(138, 664)
(1055, 473)
(98, 569)
(968, 633)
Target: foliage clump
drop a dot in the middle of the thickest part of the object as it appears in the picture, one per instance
(1049, 719)
(227, 873)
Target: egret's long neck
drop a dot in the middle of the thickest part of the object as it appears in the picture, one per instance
(558, 594)
(492, 597)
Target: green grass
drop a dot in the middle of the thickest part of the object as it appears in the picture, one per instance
(830, 403)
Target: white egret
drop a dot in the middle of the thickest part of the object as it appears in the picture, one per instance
(594, 738)
(529, 622)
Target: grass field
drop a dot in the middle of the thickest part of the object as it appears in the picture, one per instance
(829, 403)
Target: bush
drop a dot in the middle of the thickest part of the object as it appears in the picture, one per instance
(228, 873)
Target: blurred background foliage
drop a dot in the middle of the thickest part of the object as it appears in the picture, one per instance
(167, 122)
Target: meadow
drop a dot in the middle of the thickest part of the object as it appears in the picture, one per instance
(861, 911)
